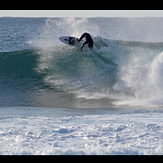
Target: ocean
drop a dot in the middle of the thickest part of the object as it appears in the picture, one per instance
(55, 100)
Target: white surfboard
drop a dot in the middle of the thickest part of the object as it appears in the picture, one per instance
(72, 41)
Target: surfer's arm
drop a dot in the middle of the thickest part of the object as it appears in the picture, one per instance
(83, 45)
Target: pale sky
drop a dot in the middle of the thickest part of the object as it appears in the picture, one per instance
(81, 13)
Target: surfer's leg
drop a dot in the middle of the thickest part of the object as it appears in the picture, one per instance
(83, 35)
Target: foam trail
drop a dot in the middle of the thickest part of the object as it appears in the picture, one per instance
(54, 28)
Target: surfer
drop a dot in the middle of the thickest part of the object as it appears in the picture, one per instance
(89, 40)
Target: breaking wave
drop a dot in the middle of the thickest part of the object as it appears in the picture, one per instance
(129, 72)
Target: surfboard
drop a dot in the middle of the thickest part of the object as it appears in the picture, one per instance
(70, 40)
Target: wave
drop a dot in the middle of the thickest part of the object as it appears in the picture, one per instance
(129, 72)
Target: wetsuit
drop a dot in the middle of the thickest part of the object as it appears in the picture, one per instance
(88, 40)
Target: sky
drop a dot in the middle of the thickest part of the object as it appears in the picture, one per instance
(81, 13)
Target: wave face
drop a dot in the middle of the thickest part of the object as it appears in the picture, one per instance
(52, 74)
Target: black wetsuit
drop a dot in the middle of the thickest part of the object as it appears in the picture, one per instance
(88, 40)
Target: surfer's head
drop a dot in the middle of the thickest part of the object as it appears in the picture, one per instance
(90, 45)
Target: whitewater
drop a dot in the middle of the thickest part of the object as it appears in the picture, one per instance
(56, 100)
